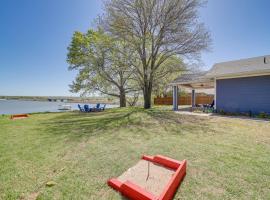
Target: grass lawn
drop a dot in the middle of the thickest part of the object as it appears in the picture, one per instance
(227, 158)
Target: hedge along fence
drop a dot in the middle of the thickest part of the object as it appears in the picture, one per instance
(184, 100)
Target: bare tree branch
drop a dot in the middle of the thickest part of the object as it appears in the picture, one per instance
(157, 30)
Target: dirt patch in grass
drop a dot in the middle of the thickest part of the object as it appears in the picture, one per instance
(32, 196)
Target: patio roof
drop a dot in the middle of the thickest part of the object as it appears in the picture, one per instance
(194, 80)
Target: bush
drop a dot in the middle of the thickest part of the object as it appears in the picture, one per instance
(263, 115)
(132, 100)
(222, 112)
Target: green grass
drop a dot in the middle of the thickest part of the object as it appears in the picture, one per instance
(228, 158)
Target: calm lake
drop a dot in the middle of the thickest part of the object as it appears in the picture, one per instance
(19, 106)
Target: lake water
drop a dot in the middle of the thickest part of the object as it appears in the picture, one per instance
(19, 106)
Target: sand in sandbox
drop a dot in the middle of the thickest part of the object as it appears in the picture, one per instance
(159, 176)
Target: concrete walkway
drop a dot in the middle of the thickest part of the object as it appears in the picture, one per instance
(214, 115)
(194, 113)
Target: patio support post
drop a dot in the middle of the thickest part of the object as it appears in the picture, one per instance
(175, 97)
(193, 98)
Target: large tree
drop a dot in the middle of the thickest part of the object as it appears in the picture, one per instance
(166, 73)
(101, 65)
(157, 30)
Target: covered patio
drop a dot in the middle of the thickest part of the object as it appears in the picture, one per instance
(194, 82)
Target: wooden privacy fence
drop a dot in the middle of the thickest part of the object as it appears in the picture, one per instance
(184, 100)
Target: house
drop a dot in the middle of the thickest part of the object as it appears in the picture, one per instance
(241, 86)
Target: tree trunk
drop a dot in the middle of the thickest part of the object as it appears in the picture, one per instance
(147, 96)
(123, 102)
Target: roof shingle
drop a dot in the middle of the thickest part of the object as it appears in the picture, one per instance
(238, 67)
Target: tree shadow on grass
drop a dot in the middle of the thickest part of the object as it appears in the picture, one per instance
(168, 119)
(163, 116)
(81, 125)
(84, 125)
(169, 116)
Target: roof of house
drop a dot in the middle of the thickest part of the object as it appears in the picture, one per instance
(241, 67)
(249, 66)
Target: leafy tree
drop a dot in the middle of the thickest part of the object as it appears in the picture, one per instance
(165, 74)
(157, 30)
(101, 65)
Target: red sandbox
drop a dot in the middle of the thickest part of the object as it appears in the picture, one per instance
(19, 116)
(138, 192)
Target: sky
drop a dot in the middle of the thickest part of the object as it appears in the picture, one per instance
(34, 36)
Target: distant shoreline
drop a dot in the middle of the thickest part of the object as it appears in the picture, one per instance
(61, 99)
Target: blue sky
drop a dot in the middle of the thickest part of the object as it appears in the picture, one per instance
(34, 36)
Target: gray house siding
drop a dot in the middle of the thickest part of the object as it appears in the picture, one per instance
(243, 94)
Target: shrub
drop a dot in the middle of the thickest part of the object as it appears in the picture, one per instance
(222, 112)
(263, 115)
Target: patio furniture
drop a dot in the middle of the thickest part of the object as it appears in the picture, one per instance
(80, 108)
(99, 107)
(209, 107)
(103, 107)
(87, 108)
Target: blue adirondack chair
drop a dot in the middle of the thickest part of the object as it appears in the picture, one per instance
(103, 107)
(209, 107)
(80, 108)
(99, 107)
(87, 108)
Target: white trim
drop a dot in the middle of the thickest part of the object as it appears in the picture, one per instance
(210, 79)
(175, 98)
(242, 76)
(256, 58)
(215, 93)
(193, 98)
(192, 82)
